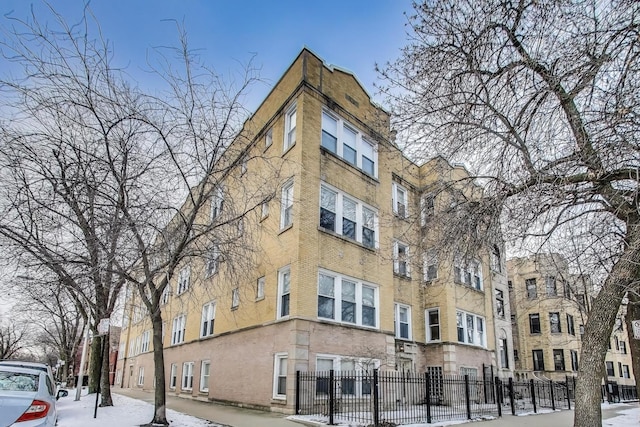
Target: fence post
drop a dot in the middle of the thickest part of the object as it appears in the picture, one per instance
(568, 394)
(297, 392)
(497, 391)
(428, 398)
(331, 396)
(533, 396)
(512, 397)
(467, 396)
(553, 396)
(376, 408)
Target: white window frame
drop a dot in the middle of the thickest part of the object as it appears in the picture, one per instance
(260, 288)
(476, 336)
(400, 207)
(284, 290)
(145, 341)
(183, 280)
(286, 205)
(496, 259)
(166, 293)
(187, 376)
(429, 260)
(179, 329)
(361, 210)
(427, 208)
(469, 274)
(204, 379)
(217, 203)
(264, 210)
(207, 320)
(141, 376)
(361, 142)
(290, 120)
(429, 325)
(360, 287)
(398, 310)
(360, 365)
(268, 138)
(401, 262)
(213, 261)
(277, 374)
(235, 298)
(173, 376)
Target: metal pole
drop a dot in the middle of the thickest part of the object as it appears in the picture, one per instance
(82, 361)
(102, 340)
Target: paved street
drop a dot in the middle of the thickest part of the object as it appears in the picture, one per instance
(239, 417)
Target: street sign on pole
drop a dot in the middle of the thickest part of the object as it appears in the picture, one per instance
(636, 329)
(103, 326)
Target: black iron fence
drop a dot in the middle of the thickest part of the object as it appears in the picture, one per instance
(378, 398)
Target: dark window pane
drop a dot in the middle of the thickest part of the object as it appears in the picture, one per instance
(325, 307)
(404, 330)
(366, 386)
(367, 165)
(322, 385)
(348, 311)
(285, 305)
(348, 228)
(327, 219)
(282, 385)
(329, 141)
(349, 154)
(368, 237)
(368, 316)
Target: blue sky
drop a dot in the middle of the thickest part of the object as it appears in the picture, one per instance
(352, 34)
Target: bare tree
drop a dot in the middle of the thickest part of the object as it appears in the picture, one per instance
(12, 340)
(540, 100)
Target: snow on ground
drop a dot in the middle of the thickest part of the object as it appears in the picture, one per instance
(125, 412)
(628, 417)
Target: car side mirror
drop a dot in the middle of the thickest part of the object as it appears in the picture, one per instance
(62, 393)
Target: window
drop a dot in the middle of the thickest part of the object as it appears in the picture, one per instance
(264, 210)
(402, 321)
(558, 359)
(339, 213)
(469, 275)
(146, 338)
(430, 265)
(286, 205)
(173, 376)
(280, 376)
(268, 138)
(346, 300)
(235, 298)
(532, 289)
(187, 376)
(119, 376)
(183, 280)
(166, 292)
(538, 360)
(204, 375)
(401, 265)
(213, 259)
(470, 328)
(500, 303)
(284, 288)
(554, 323)
(217, 202)
(427, 208)
(496, 259)
(141, 376)
(260, 288)
(610, 371)
(617, 341)
(625, 371)
(433, 324)
(208, 318)
(571, 329)
(290, 128)
(470, 372)
(179, 325)
(516, 357)
(504, 355)
(534, 323)
(620, 369)
(244, 164)
(623, 347)
(550, 286)
(574, 360)
(400, 200)
(346, 142)
(582, 301)
(350, 383)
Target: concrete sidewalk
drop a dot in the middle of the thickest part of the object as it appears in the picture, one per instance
(231, 416)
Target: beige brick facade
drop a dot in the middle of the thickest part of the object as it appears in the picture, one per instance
(373, 264)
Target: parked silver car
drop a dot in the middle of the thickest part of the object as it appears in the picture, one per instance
(27, 398)
(30, 365)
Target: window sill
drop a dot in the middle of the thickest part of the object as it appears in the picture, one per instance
(345, 163)
(258, 299)
(279, 400)
(345, 239)
(288, 227)
(289, 148)
(402, 276)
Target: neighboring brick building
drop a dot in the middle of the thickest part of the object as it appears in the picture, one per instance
(344, 279)
(549, 310)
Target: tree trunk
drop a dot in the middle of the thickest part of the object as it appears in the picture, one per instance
(94, 364)
(633, 313)
(160, 396)
(105, 385)
(598, 332)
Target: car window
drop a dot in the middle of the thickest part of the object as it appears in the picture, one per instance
(50, 386)
(15, 381)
